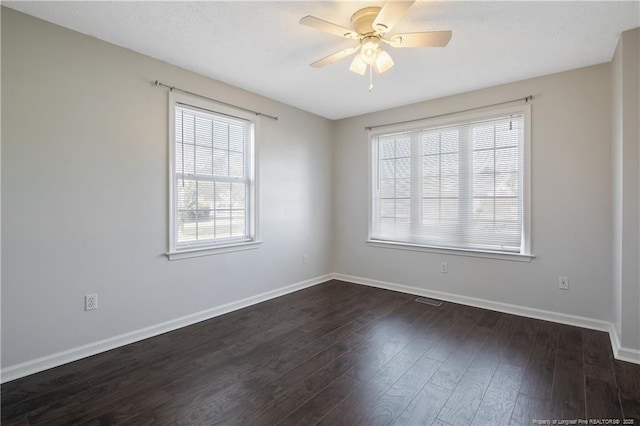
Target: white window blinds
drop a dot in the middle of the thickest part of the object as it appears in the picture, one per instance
(456, 186)
(211, 179)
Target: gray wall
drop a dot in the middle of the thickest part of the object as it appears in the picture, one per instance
(84, 194)
(626, 188)
(84, 197)
(571, 201)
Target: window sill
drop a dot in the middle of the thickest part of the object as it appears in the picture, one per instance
(516, 257)
(208, 251)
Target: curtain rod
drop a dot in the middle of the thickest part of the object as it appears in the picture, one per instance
(525, 99)
(173, 88)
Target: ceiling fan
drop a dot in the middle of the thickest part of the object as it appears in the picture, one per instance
(370, 27)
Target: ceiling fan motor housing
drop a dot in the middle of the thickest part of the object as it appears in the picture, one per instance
(362, 20)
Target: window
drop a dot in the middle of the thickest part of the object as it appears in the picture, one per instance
(212, 176)
(457, 184)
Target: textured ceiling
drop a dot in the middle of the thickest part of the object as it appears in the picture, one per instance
(259, 46)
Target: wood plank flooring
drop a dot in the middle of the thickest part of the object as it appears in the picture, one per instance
(340, 354)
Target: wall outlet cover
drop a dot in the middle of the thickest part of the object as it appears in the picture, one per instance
(91, 302)
(563, 283)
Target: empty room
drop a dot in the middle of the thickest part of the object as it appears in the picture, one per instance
(320, 212)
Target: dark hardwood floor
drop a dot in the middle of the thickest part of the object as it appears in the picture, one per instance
(341, 354)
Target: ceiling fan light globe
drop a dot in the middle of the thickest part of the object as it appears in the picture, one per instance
(383, 62)
(369, 50)
(358, 65)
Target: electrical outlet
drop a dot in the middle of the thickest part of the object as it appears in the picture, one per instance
(90, 302)
(305, 259)
(444, 268)
(563, 283)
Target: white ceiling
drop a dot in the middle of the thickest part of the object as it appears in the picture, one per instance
(259, 46)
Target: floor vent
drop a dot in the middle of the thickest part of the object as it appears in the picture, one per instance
(429, 301)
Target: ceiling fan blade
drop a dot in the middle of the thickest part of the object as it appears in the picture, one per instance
(334, 57)
(390, 14)
(328, 27)
(425, 39)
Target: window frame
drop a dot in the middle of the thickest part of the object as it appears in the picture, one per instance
(525, 253)
(176, 251)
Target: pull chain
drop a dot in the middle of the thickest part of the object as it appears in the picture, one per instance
(370, 78)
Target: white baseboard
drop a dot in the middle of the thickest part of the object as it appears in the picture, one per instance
(621, 353)
(44, 363)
